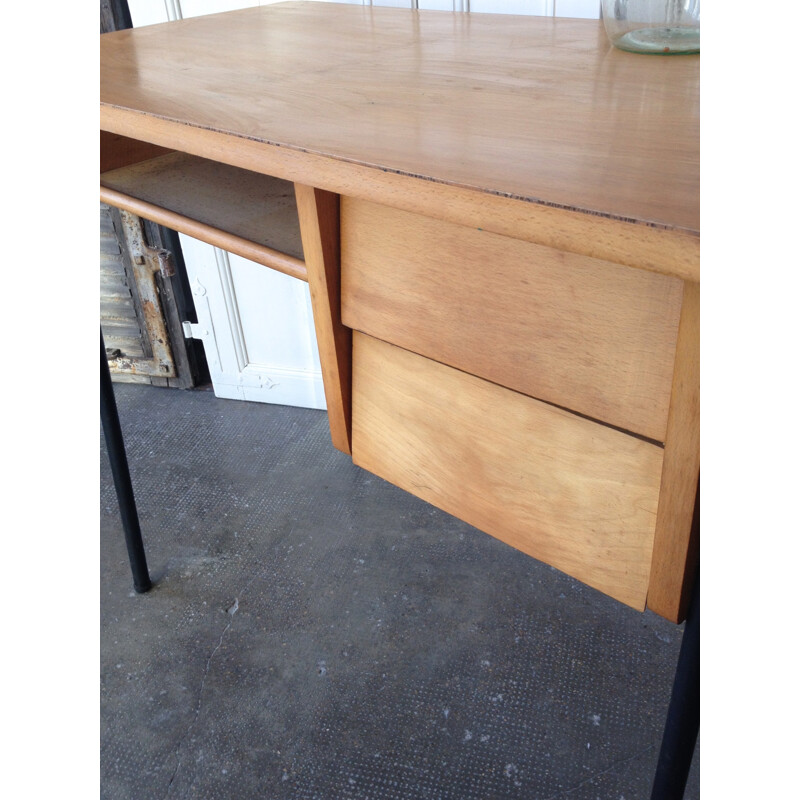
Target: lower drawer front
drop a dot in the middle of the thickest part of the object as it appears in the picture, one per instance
(575, 494)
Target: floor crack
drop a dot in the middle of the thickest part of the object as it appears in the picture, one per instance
(198, 706)
(564, 792)
(229, 611)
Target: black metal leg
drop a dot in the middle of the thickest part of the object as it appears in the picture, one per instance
(683, 717)
(122, 477)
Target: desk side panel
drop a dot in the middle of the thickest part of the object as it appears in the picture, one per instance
(567, 491)
(677, 538)
(318, 211)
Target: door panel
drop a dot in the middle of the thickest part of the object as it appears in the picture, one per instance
(257, 328)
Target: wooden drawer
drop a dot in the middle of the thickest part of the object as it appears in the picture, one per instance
(571, 492)
(582, 333)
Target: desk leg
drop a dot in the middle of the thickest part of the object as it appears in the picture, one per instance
(122, 477)
(683, 717)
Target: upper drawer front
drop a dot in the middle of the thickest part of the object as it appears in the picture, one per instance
(585, 334)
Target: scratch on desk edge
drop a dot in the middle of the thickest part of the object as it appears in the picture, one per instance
(416, 176)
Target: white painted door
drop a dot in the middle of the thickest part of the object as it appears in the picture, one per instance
(256, 324)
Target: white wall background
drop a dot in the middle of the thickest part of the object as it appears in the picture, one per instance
(148, 12)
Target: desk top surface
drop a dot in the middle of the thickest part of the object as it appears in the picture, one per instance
(537, 108)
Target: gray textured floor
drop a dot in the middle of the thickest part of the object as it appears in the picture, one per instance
(315, 632)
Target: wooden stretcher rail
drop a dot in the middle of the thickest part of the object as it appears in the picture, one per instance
(238, 210)
(288, 265)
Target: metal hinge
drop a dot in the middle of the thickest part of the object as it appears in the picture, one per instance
(165, 261)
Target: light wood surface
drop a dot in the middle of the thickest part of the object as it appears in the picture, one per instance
(534, 155)
(575, 494)
(594, 337)
(319, 225)
(675, 550)
(246, 213)
(670, 252)
(475, 101)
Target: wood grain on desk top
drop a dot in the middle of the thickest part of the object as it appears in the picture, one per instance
(537, 108)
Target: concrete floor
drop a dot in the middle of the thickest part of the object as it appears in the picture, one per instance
(315, 632)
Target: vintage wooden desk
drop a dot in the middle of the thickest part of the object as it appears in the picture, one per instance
(498, 218)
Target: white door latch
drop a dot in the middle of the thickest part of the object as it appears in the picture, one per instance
(192, 330)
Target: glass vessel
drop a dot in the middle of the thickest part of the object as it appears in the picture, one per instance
(664, 27)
